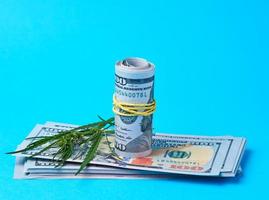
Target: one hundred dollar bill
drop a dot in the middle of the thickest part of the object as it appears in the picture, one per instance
(172, 153)
(41, 166)
(20, 173)
(134, 83)
(232, 159)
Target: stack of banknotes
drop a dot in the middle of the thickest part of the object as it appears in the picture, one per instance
(173, 155)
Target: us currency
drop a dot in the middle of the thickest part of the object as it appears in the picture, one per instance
(233, 157)
(188, 154)
(231, 166)
(41, 166)
(163, 165)
(134, 83)
(46, 169)
(20, 173)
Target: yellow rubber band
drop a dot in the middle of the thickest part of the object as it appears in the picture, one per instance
(132, 109)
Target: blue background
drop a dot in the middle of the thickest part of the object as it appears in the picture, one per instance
(57, 63)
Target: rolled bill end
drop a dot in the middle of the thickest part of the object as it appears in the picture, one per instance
(133, 107)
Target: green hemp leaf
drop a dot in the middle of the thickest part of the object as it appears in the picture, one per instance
(65, 142)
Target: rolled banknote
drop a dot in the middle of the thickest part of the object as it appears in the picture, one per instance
(134, 84)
